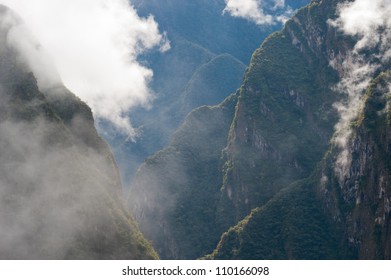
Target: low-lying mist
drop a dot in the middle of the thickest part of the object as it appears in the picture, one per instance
(45, 190)
(60, 192)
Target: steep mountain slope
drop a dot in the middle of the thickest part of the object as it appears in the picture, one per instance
(282, 124)
(155, 126)
(292, 225)
(204, 41)
(59, 186)
(359, 201)
(285, 115)
(348, 213)
(175, 75)
(203, 90)
(175, 193)
(329, 216)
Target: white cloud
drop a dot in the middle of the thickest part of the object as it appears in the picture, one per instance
(279, 4)
(356, 78)
(369, 20)
(94, 45)
(255, 10)
(30, 51)
(248, 9)
(370, 23)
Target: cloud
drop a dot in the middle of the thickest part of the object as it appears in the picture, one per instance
(369, 20)
(29, 51)
(279, 4)
(59, 186)
(94, 45)
(369, 23)
(50, 192)
(357, 75)
(256, 10)
(248, 9)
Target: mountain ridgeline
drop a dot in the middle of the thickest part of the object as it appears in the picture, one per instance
(60, 191)
(260, 176)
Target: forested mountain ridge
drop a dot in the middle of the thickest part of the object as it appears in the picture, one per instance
(328, 216)
(175, 193)
(281, 188)
(341, 210)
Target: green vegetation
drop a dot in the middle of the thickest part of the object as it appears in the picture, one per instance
(187, 76)
(201, 185)
(283, 122)
(211, 82)
(264, 176)
(361, 200)
(206, 63)
(178, 188)
(292, 225)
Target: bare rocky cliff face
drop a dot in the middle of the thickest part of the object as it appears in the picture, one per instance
(59, 185)
(360, 199)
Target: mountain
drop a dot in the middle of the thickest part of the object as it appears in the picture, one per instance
(328, 216)
(276, 135)
(206, 63)
(206, 24)
(175, 193)
(332, 214)
(304, 171)
(60, 187)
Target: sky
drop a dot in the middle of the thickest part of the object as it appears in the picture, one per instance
(94, 46)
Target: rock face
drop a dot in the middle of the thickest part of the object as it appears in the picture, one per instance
(359, 200)
(329, 215)
(279, 193)
(59, 185)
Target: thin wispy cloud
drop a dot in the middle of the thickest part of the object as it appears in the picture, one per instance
(369, 23)
(95, 45)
